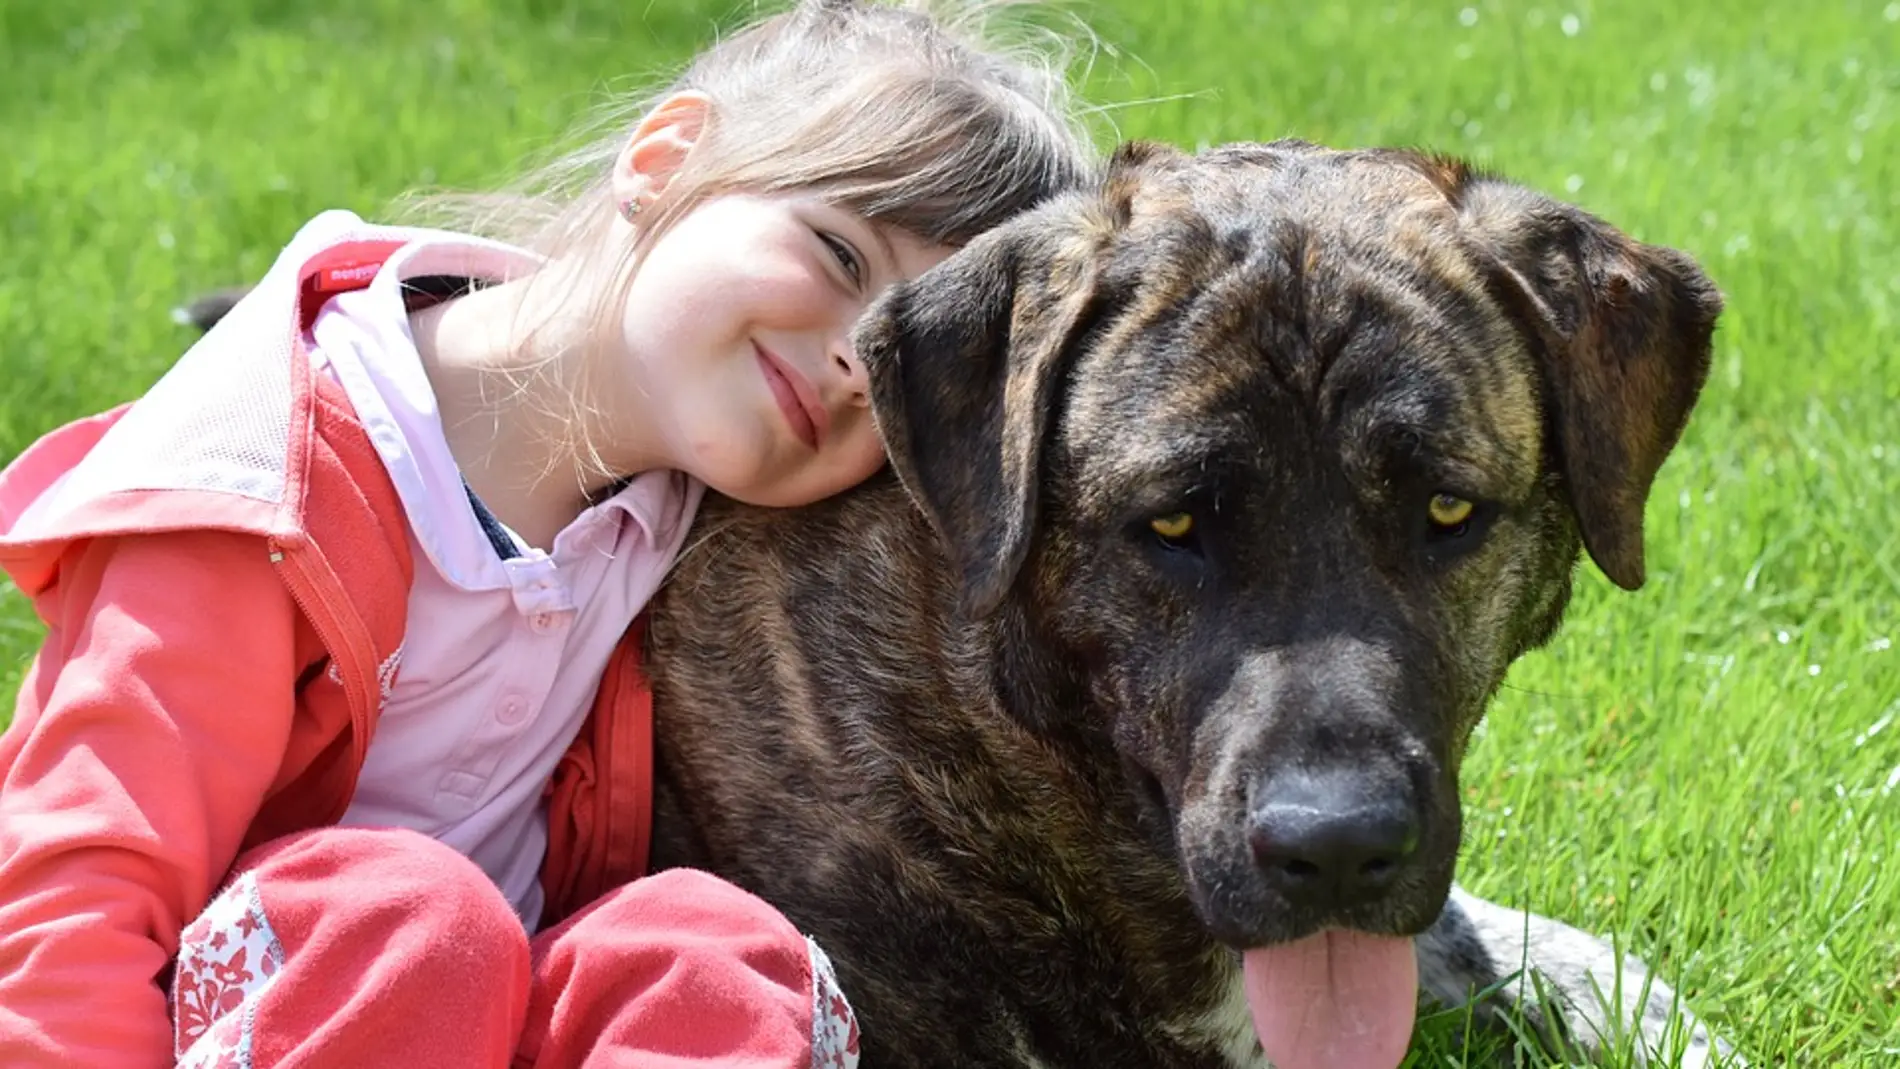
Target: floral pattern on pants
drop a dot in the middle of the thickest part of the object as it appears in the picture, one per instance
(834, 1028)
(227, 958)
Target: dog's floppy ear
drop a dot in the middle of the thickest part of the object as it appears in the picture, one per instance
(1622, 330)
(966, 364)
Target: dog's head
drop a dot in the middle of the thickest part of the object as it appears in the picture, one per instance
(1288, 453)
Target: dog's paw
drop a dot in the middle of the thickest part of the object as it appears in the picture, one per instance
(1664, 1020)
(1573, 991)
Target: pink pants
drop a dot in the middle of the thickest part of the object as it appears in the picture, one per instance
(371, 948)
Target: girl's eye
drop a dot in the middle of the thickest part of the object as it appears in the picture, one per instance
(846, 256)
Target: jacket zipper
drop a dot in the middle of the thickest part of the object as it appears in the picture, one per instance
(311, 590)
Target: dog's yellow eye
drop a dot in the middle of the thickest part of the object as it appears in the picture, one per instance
(1174, 526)
(1449, 511)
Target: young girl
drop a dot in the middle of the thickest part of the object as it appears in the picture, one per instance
(335, 753)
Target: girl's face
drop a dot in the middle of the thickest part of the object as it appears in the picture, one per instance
(737, 335)
(737, 329)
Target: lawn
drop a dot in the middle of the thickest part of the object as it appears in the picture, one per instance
(1708, 768)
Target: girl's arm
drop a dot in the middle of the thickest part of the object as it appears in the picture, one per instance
(147, 732)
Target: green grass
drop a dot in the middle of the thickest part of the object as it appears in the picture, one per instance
(1709, 769)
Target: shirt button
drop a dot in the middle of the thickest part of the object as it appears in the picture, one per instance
(512, 712)
(542, 622)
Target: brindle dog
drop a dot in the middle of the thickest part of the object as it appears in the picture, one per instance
(1222, 495)
(1221, 498)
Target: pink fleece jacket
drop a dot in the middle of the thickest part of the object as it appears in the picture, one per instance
(222, 570)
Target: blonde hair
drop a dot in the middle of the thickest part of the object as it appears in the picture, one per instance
(916, 114)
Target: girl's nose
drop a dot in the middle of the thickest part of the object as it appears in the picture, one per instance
(855, 382)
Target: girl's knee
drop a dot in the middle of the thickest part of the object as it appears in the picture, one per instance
(695, 900)
(684, 942)
(352, 883)
(329, 939)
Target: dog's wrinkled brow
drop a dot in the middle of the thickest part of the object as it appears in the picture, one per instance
(1165, 461)
(1468, 452)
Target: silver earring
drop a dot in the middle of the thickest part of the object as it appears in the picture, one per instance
(629, 209)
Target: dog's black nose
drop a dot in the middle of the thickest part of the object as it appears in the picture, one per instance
(1329, 837)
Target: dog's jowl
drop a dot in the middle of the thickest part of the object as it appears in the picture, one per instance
(1119, 723)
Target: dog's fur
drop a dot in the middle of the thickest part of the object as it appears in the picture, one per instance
(1001, 751)
(994, 746)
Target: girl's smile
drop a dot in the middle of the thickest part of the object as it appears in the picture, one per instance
(796, 398)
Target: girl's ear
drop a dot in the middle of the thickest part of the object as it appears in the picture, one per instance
(659, 146)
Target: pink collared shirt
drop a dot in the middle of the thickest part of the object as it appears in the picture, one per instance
(501, 658)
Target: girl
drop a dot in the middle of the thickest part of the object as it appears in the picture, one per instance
(334, 752)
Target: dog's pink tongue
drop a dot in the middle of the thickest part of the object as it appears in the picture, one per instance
(1336, 1000)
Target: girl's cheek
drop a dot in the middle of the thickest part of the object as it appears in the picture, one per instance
(870, 454)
